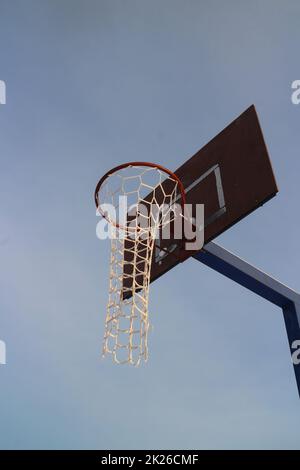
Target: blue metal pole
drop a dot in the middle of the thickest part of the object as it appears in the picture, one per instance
(233, 267)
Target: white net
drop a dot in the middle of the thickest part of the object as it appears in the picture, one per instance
(138, 201)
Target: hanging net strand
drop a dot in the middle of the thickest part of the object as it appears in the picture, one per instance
(149, 191)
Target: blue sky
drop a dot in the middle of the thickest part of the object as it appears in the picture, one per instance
(91, 84)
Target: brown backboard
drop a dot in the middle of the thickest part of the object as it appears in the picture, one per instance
(231, 175)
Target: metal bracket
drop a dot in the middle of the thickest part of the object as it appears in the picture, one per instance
(235, 268)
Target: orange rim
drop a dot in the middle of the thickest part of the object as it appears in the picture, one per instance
(125, 165)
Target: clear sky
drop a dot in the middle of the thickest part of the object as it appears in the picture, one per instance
(91, 84)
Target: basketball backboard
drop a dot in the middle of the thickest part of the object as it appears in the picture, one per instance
(231, 175)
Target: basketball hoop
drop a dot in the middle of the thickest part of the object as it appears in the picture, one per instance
(149, 191)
